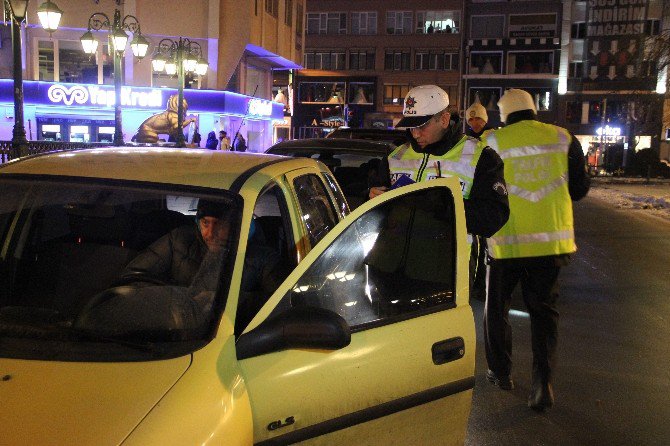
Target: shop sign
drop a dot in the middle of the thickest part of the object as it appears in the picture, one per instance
(532, 25)
(608, 131)
(100, 96)
(260, 107)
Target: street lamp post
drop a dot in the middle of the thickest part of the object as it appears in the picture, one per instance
(117, 29)
(15, 12)
(179, 57)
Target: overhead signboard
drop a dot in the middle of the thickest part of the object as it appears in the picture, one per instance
(532, 25)
(615, 33)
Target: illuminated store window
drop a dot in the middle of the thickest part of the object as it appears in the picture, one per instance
(530, 62)
(322, 92)
(485, 63)
(361, 93)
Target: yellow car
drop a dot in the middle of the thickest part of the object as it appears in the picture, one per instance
(363, 335)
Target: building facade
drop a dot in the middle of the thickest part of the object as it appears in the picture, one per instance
(513, 45)
(611, 92)
(244, 42)
(362, 56)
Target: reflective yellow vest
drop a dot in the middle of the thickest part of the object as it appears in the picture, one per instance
(536, 172)
(460, 161)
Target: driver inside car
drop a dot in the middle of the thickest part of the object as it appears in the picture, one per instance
(185, 255)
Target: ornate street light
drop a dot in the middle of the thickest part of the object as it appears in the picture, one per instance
(15, 11)
(119, 38)
(178, 58)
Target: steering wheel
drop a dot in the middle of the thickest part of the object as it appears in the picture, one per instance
(137, 277)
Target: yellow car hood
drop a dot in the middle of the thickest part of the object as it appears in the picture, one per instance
(79, 403)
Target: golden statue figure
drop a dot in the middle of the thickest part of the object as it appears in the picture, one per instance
(162, 123)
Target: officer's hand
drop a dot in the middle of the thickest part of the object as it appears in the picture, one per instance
(375, 191)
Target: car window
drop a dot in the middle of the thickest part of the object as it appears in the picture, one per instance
(317, 212)
(87, 260)
(342, 207)
(270, 254)
(397, 261)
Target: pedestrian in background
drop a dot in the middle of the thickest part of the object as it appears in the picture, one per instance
(437, 148)
(211, 142)
(545, 170)
(224, 141)
(241, 144)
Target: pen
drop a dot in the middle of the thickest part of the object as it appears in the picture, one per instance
(439, 170)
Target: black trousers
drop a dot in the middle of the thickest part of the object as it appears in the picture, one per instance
(538, 277)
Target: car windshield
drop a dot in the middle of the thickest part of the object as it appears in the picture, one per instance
(102, 270)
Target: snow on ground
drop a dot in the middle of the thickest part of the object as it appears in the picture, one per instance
(634, 193)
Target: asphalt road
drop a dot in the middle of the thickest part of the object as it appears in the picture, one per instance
(612, 385)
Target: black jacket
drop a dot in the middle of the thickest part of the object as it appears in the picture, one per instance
(579, 182)
(176, 257)
(487, 209)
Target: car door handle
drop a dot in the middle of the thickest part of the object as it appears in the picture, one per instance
(448, 350)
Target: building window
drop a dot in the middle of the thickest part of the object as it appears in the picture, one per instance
(364, 23)
(272, 7)
(487, 26)
(435, 60)
(325, 60)
(361, 93)
(530, 62)
(65, 61)
(578, 30)
(45, 56)
(327, 23)
(428, 22)
(362, 59)
(288, 12)
(394, 94)
(485, 63)
(576, 69)
(398, 22)
(397, 60)
(322, 92)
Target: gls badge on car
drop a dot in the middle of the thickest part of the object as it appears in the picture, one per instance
(277, 424)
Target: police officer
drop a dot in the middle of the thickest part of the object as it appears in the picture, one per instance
(545, 170)
(437, 148)
(476, 117)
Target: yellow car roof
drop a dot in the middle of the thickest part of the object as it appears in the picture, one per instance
(207, 168)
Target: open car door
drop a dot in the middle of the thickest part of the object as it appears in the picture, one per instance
(371, 338)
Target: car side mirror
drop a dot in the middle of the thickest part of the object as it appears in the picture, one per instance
(297, 327)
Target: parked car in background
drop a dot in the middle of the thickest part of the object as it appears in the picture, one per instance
(397, 137)
(353, 161)
(364, 338)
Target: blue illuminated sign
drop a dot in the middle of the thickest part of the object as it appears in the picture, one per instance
(142, 98)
